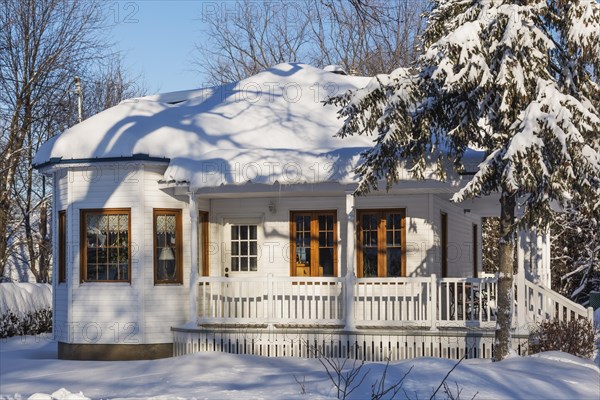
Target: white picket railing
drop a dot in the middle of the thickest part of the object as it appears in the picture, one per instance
(467, 301)
(280, 300)
(541, 304)
(425, 302)
(393, 301)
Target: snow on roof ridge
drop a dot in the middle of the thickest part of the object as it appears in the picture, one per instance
(279, 108)
(277, 70)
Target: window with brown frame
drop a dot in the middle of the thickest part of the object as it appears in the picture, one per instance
(203, 243)
(313, 238)
(381, 243)
(444, 244)
(62, 246)
(475, 255)
(167, 246)
(105, 245)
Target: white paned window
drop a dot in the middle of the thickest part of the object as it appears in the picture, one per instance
(244, 247)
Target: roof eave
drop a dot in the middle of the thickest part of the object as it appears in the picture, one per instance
(57, 161)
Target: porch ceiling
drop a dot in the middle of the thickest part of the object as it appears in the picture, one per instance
(486, 206)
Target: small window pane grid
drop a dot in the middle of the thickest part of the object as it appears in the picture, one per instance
(314, 243)
(370, 243)
(105, 246)
(303, 240)
(244, 248)
(393, 228)
(167, 244)
(326, 244)
(381, 236)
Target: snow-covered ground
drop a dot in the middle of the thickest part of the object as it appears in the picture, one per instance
(28, 365)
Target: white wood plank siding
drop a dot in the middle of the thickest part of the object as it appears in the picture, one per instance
(60, 310)
(139, 312)
(460, 238)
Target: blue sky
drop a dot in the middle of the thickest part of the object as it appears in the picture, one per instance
(156, 39)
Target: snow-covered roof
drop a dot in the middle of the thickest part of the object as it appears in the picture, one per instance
(270, 127)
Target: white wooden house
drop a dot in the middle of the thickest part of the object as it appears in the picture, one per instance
(223, 220)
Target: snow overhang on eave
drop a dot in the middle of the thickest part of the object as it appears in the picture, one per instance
(174, 187)
(257, 189)
(57, 162)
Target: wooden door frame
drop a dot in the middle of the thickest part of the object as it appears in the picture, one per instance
(381, 234)
(444, 243)
(314, 227)
(203, 269)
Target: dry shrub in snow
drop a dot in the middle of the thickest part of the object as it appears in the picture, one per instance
(25, 309)
(574, 337)
(31, 323)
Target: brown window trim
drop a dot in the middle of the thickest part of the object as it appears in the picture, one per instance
(178, 246)
(83, 242)
(475, 252)
(203, 226)
(62, 246)
(314, 229)
(444, 243)
(382, 244)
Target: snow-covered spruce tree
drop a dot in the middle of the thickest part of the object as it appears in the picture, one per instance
(512, 78)
(575, 255)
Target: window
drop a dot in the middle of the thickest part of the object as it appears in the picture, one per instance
(167, 246)
(444, 244)
(105, 245)
(244, 248)
(313, 243)
(62, 246)
(203, 243)
(475, 250)
(381, 243)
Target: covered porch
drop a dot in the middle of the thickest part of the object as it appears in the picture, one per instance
(367, 318)
(270, 311)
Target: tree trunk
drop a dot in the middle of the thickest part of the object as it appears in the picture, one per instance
(4, 207)
(505, 276)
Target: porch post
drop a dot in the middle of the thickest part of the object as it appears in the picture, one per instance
(350, 280)
(193, 316)
(543, 247)
(433, 302)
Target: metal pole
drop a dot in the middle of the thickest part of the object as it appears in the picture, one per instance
(79, 98)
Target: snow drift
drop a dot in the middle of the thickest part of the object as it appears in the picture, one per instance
(22, 298)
